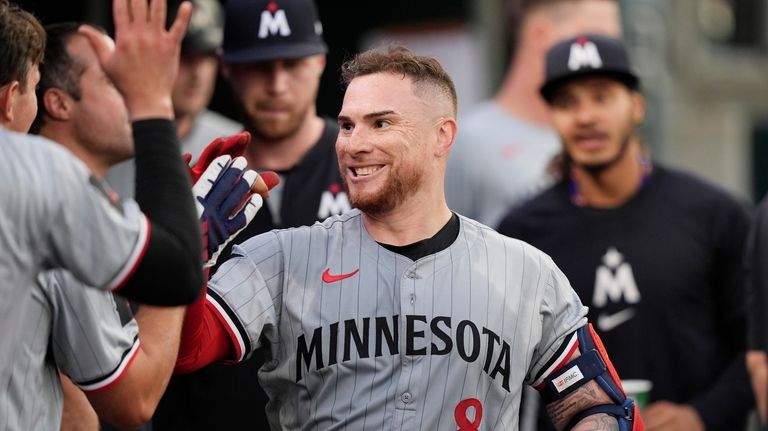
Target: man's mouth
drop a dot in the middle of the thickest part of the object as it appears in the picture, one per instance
(364, 171)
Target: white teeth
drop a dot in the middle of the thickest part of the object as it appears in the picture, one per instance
(367, 170)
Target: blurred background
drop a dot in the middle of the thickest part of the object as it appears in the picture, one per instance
(704, 66)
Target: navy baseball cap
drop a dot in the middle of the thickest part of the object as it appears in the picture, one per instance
(205, 31)
(259, 30)
(584, 56)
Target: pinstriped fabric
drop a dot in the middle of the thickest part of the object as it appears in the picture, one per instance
(363, 338)
(72, 328)
(52, 215)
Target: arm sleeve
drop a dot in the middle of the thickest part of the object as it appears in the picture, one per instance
(170, 271)
(241, 306)
(94, 337)
(729, 397)
(562, 313)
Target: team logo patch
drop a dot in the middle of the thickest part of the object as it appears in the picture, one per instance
(333, 201)
(273, 22)
(584, 54)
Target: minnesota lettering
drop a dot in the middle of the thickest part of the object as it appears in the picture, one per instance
(375, 337)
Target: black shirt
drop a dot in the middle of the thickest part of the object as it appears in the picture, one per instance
(663, 281)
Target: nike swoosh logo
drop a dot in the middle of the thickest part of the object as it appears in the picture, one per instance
(331, 278)
(606, 322)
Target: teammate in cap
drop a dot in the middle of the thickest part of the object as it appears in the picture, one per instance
(654, 252)
(505, 143)
(401, 314)
(273, 59)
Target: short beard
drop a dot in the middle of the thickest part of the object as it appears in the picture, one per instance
(396, 191)
(598, 168)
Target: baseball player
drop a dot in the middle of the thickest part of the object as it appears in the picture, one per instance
(655, 252)
(401, 314)
(275, 75)
(72, 225)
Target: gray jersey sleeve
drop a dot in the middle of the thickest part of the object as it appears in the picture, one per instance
(58, 215)
(247, 292)
(94, 337)
(561, 313)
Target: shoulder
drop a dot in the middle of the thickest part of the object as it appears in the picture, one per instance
(694, 193)
(514, 248)
(219, 123)
(538, 209)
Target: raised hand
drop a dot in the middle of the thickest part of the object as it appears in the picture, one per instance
(144, 58)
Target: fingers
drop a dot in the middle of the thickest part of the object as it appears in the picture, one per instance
(270, 178)
(138, 9)
(157, 13)
(203, 186)
(101, 43)
(179, 27)
(187, 158)
(121, 14)
(239, 191)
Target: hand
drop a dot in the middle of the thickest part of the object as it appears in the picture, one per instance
(144, 59)
(225, 203)
(233, 146)
(757, 365)
(667, 416)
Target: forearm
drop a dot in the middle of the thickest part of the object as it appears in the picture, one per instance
(170, 272)
(77, 413)
(563, 411)
(134, 399)
(204, 339)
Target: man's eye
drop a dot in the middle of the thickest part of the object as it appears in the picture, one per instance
(346, 126)
(381, 123)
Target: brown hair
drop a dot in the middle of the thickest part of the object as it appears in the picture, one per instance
(22, 43)
(400, 60)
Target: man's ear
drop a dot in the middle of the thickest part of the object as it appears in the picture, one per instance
(7, 98)
(638, 108)
(446, 133)
(58, 104)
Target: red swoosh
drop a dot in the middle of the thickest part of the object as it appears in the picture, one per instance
(330, 278)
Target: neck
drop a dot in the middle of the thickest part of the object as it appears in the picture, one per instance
(184, 125)
(285, 153)
(616, 184)
(519, 93)
(419, 217)
(97, 165)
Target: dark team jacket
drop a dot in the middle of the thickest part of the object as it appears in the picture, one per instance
(757, 270)
(662, 277)
(229, 397)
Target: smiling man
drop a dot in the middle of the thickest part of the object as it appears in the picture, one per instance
(654, 252)
(402, 314)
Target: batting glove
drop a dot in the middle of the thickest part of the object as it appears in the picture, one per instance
(225, 203)
(233, 146)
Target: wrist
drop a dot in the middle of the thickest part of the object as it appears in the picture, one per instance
(149, 108)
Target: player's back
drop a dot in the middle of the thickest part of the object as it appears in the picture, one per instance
(52, 215)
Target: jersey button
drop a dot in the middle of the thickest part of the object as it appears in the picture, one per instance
(411, 274)
(406, 397)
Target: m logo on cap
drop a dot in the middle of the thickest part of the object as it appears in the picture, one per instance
(584, 53)
(273, 21)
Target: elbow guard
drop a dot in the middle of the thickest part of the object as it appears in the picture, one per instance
(593, 364)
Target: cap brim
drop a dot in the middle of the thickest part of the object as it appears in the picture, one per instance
(549, 88)
(275, 52)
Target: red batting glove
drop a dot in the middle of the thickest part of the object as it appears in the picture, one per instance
(234, 145)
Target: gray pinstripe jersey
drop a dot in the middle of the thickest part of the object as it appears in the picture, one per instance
(80, 331)
(52, 214)
(363, 338)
